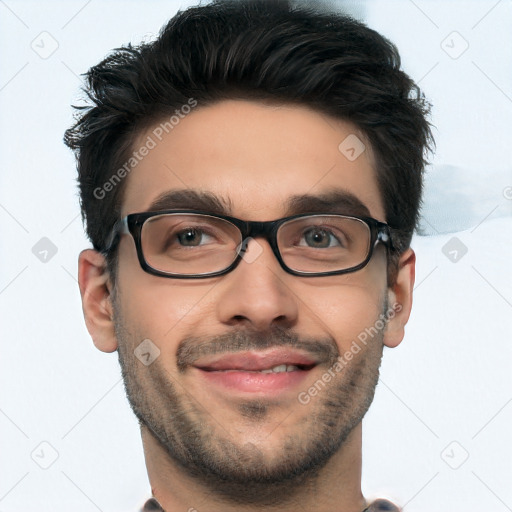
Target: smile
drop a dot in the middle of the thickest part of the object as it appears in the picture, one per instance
(264, 374)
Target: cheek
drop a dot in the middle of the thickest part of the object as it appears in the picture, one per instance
(347, 313)
(158, 308)
(349, 304)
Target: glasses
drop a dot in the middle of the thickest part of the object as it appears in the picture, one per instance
(192, 244)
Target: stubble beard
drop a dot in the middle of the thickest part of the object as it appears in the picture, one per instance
(197, 442)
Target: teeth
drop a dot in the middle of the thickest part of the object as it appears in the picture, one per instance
(281, 368)
(276, 369)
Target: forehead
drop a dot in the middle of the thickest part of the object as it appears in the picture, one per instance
(255, 160)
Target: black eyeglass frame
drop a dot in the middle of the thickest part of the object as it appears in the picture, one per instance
(133, 223)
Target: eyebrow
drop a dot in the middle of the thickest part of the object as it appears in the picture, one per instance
(191, 200)
(335, 201)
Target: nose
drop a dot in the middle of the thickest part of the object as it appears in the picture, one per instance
(258, 293)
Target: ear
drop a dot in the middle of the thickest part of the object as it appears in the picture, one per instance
(95, 289)
(400, 299)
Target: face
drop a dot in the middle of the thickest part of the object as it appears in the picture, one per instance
(242, 427)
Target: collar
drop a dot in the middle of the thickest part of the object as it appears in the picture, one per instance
(379, 505)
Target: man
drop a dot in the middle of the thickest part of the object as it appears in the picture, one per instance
(250, 183)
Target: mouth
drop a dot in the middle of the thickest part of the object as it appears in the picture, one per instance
(280, 368)
(263, 373)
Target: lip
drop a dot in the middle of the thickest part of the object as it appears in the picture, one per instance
(240, 372)
(255, 361)
(269, 385)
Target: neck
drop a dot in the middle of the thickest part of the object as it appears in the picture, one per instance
(336, 486)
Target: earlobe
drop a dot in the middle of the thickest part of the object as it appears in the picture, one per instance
(93, 280)
(400, 299)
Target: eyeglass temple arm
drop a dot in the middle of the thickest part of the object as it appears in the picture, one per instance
(119, 228)
(384, 236)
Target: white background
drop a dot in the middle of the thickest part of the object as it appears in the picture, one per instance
(445, 392)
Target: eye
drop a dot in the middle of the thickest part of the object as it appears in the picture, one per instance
(320, 238)
(192, 237)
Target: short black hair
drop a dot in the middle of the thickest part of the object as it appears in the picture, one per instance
(265, 50)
